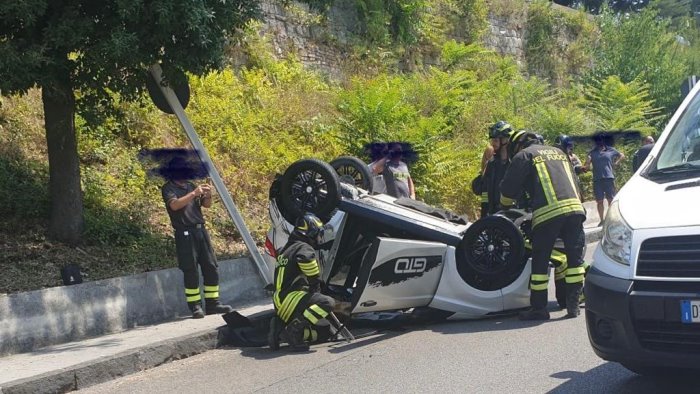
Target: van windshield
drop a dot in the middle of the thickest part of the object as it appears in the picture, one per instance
(681, 152)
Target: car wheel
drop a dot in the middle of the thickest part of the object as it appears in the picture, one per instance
(308, 185)
(353, 171)
(491, 253)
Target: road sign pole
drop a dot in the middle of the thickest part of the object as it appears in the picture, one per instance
(174, 103)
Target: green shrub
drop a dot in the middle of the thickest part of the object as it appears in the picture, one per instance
(558, 44)
(642, 47)
(454, 19)
(621, 106)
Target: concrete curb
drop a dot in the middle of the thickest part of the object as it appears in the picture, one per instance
(112, 367)
(40, 318)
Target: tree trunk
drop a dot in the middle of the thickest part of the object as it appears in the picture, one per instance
(66, 221)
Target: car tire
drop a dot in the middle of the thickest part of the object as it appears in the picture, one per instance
(353, 171)
(491, 254)
(308, 185)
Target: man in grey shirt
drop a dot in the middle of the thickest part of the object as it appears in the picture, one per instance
(396, 175)
(603, 158)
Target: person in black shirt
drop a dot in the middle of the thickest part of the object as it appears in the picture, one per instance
(183, 201)
(643, 152)
(495, 168)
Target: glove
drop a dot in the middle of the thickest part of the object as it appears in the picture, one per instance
(316, 285)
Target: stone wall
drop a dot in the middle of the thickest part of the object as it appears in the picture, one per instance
(317, 40)
(506, 36)
(320, 42)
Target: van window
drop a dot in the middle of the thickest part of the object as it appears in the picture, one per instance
(682, 148)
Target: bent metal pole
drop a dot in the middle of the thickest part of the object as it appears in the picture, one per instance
(174, 103)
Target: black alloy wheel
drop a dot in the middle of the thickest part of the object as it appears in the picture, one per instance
(353, 171)
(308, 185)
(491, 253)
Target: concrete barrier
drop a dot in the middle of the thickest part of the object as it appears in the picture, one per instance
(56, 315)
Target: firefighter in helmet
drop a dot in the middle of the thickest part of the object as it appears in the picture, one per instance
(547, 176)
(494, 167)
(299, 305)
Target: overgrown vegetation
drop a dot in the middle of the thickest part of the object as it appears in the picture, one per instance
(642, 47)
(258, 119)
(558, 44)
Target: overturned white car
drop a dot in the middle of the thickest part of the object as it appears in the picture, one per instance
(387, 254)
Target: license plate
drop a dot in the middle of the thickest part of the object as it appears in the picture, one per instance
(690, 311)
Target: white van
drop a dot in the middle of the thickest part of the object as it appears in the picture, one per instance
(643, 290)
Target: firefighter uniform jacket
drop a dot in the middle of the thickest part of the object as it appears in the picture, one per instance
(493, 173)
(296, 274)
(546, 175)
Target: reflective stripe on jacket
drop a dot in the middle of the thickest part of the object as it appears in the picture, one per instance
(546, 174)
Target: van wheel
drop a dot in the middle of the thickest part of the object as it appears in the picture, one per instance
(491, 254)
(308, 185)
(353, 171)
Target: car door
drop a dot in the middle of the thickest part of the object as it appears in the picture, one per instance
(398, 274)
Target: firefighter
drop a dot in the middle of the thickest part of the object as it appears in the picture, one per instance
(546, 175)
(493, 175)
(184, 201)
(495, 167)
(299, 306)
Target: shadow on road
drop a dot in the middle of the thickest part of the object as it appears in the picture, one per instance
(614, 378)
(496, 323)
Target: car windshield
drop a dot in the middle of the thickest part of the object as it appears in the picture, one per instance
(681, 152)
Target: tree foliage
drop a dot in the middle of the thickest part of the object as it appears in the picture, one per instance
(621, 106)
(89, 50)
(642, 47)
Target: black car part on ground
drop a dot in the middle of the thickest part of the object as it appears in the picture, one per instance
(308, 185)
(353, 171)
(251, 331)
(490, 256)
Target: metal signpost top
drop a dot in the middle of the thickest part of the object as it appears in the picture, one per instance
(174, 103)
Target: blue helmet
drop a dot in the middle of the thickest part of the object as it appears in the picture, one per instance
(565, 141)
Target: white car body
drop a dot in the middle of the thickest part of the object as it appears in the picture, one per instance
(441, 288)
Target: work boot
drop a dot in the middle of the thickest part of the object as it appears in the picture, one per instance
(273, 335)
(215, 307)
(560, 293)
(534, 314)
(573, 297)
(196, 308)
(294, 334)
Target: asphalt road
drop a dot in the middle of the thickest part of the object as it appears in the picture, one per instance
(497, 355)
